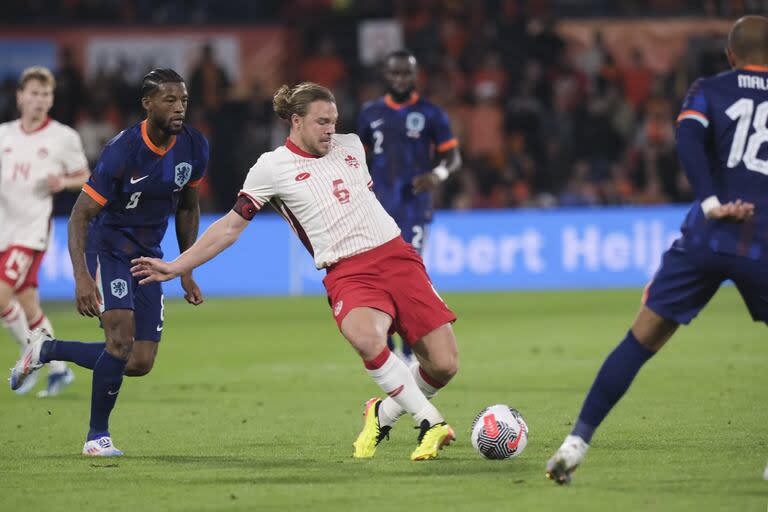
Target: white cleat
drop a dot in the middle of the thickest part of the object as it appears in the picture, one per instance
(56, 383)
(101, 447)
(29, 362)
(29, 384)
(566, 459)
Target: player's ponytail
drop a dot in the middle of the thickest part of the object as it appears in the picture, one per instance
(295, 100)
(281, 102)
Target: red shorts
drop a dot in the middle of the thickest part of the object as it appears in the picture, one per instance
(19, 267)
(392, 279)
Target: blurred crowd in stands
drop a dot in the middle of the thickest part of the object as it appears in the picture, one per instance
(538, 123)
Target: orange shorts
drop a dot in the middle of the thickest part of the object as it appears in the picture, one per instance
(19, 267)
(392, 279)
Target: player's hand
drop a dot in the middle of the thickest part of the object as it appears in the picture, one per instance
(733, 211)
(87, 296)
(425, 182)
(152, 270)
(55, 184)
(192, 292)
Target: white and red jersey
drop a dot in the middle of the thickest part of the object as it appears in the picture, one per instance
(26, 161)
(327, 200)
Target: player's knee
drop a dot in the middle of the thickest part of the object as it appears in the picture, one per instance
(368, 339)
(445, 366)
(120, 346)
(138, 367)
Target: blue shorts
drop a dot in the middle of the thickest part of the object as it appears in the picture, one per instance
(119, 290)
(415, 233)
(689, 276)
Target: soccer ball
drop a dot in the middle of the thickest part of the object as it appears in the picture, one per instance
(499, 432)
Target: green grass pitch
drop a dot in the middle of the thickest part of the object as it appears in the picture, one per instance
(254, 403)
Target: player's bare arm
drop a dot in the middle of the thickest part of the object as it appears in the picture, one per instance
(448, 162)
(73, 181)
(220, 235)
(187, 226)
(86, 292)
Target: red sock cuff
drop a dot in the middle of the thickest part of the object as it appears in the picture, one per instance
(36, 324)
(429, 379)
(8, 311)
(378, 361)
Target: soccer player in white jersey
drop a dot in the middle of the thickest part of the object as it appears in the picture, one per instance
(376, 282)
(38, 158)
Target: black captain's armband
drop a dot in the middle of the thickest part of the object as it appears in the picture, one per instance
(245, 208)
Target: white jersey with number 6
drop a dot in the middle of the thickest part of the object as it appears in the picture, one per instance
(26, 161)
(327, 200)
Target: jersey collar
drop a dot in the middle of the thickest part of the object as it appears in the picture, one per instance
(296, 149)
(38, 129)
(755, 67)
(151, 145)
(391, 103)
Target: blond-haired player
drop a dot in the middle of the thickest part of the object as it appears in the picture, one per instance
(38, 158)
(376, 282)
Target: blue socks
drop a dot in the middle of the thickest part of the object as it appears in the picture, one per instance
(82, 354)
(612, 381)
(107, 378)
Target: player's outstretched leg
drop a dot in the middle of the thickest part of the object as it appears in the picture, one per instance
(612, 381)
(366, 329)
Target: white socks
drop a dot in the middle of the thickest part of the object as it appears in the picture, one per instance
(394, 378)
(390, 411)
(15, 320)
(53, 366)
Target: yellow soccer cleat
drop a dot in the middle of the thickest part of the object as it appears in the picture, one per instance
(432, 439)
(372, 434)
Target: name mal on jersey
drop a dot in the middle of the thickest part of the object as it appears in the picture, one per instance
(753, 82)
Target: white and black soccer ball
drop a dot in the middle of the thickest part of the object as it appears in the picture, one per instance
(499, 432)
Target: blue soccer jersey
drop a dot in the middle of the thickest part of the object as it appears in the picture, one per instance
(732, 108)
(138, 185)
(401, 139)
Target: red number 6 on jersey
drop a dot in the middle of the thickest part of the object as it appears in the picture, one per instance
(340, 192)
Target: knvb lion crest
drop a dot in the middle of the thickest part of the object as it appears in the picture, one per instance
(182, 174)
(119, 288)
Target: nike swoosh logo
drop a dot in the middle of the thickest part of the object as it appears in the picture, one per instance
(512, 444)
(136, 180)
(159, 328)
(376, 124)
(112, 393)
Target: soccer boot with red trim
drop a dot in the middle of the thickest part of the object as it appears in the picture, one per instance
(372, 433)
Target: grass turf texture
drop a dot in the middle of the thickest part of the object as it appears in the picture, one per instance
(254, 403)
